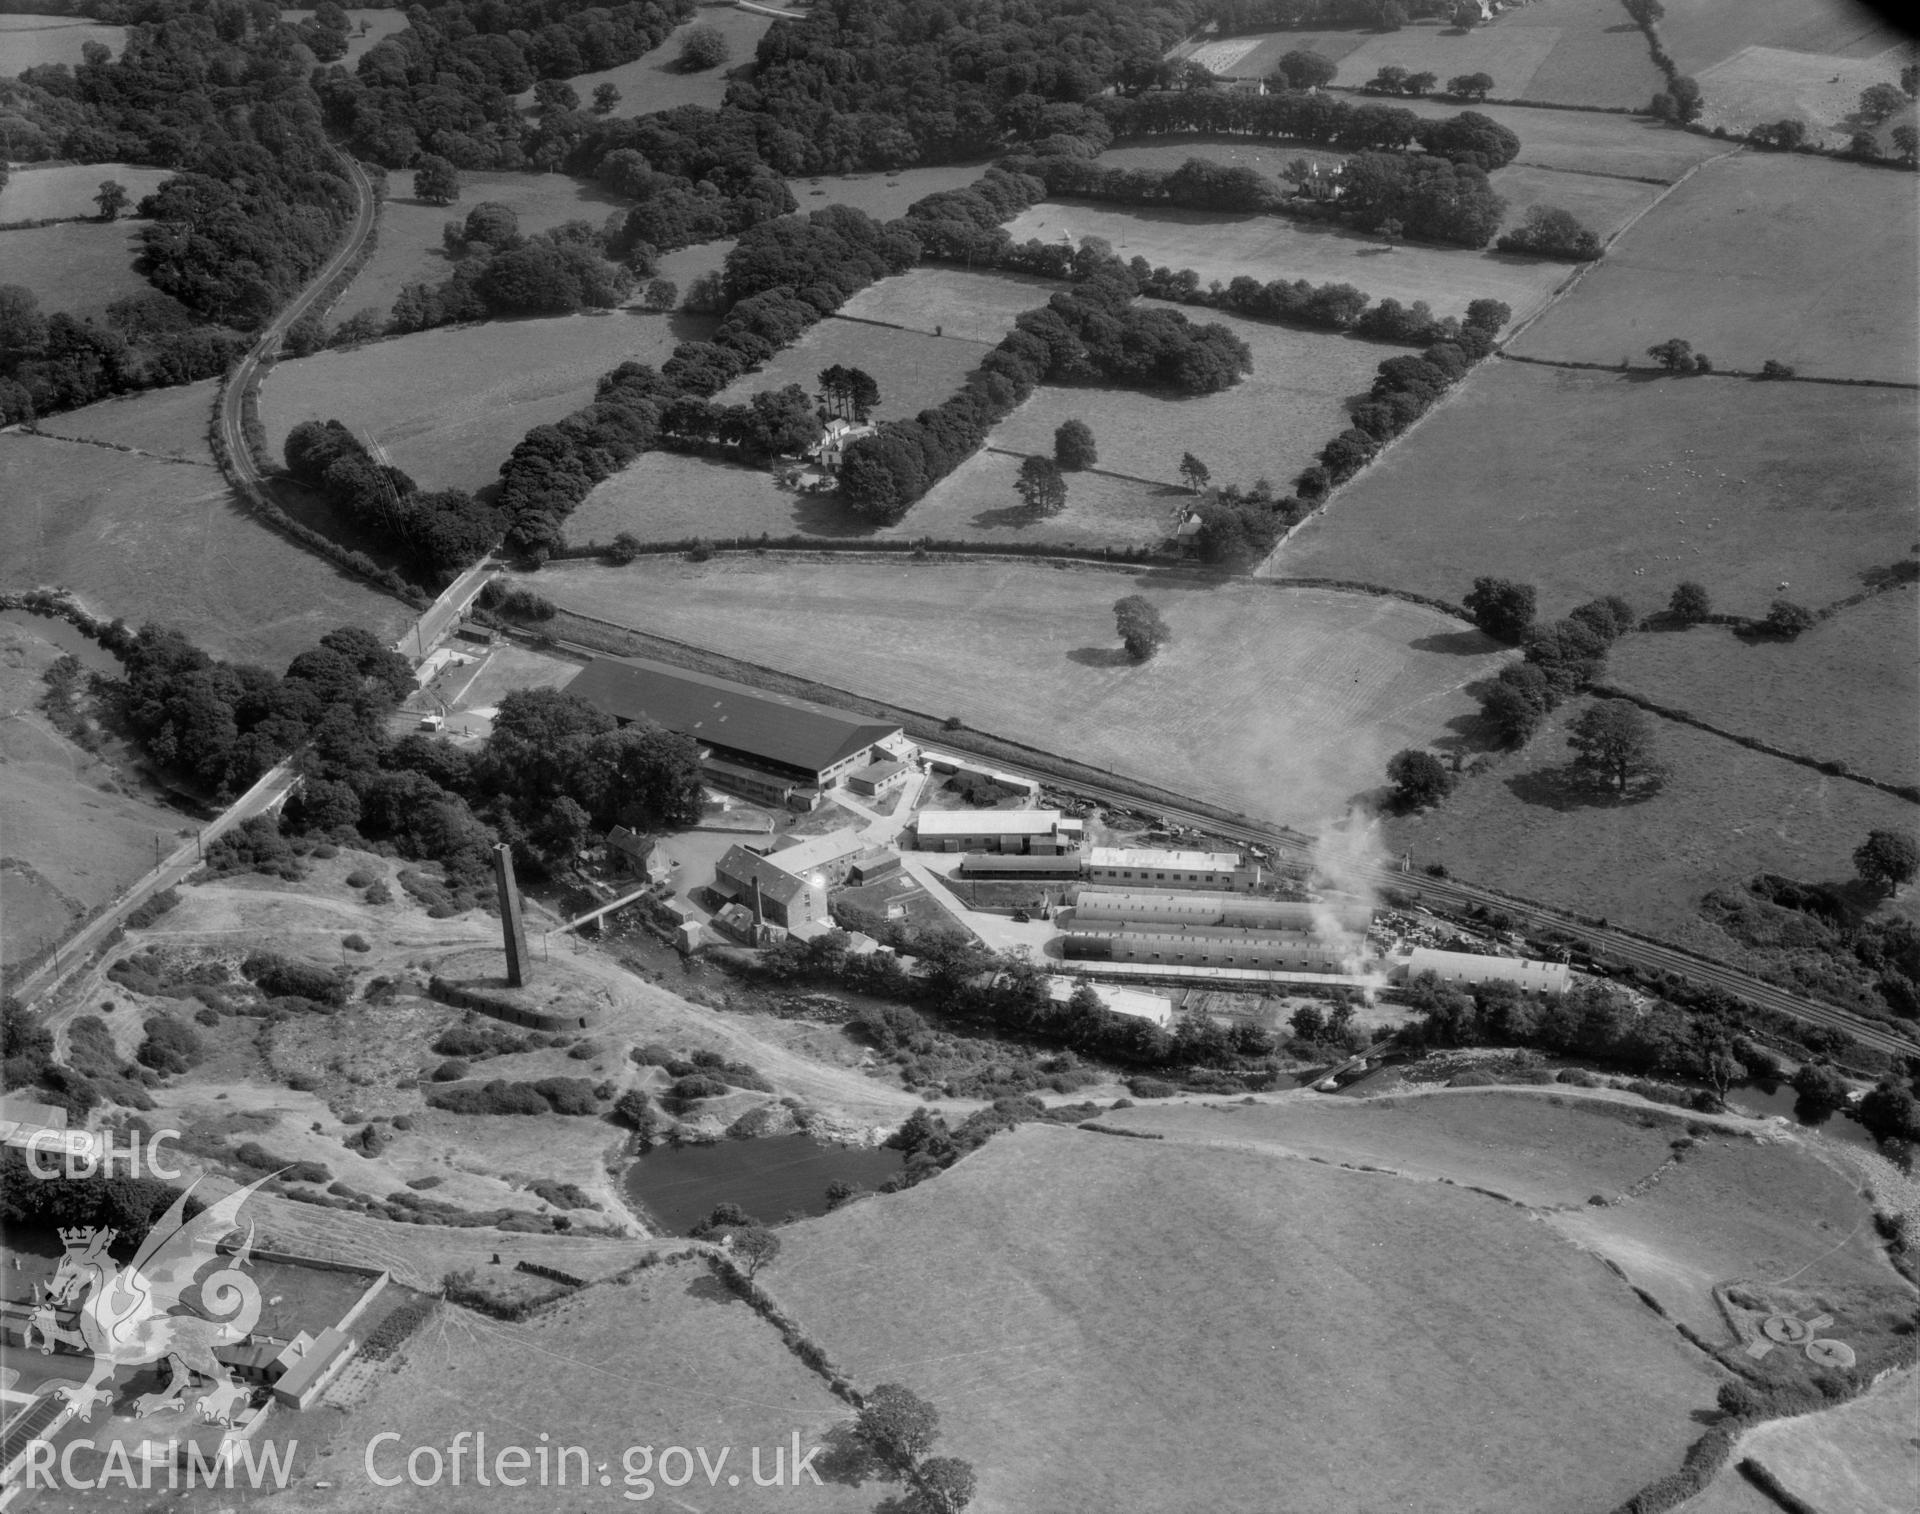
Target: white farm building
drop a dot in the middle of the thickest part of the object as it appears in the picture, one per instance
(1466, 970)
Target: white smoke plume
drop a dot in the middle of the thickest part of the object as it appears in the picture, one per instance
(1342, 855)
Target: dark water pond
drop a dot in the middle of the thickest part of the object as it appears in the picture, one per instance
(1779, 1098)
(678, 1186)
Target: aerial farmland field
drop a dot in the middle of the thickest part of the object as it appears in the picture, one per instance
(1742, 261)
(651, 83)
(1842, 690)
(1601, 203)
(953, 302)
(450, 405)
(409, 245)
(28, 41)
(1285, 703)
(1723, 814)
(1590, 142)
(164, 541)
(379, 25)
(1269, 425)
(80, 267)
(1269, 247)
(914, 369)
(1588, 483)
(1258, 54)
(1759, 85)
(1039, 1316)
(1700, 33)
(42, 193)
(883, 195)
(168, 423)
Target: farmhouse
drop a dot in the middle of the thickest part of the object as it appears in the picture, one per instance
(1468, 970)
(1169, 869)
(765, 746)
(763, 888)
(831, 450)
(1033, 832)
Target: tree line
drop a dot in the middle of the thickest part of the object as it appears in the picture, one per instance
(59, 362)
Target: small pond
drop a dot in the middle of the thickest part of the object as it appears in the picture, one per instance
(678, 1186)
(1767, 1099)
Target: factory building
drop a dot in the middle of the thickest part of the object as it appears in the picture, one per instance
(1466, 970)
(830, 857)
(764, 888)
(1219, 948)
(1121, 909)
(1058, 867)
(1147, 867)
(1026, 832)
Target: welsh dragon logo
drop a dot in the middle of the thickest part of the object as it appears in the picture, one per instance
(130, 1316)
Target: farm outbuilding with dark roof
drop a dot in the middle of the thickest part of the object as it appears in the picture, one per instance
(807, 743)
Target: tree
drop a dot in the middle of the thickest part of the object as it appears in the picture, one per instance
(1674, 354)
(1879, 101)
(1906, 142)
(943, 1485)
(1041, 485)
(605, 97)
(1613, 740)
(1073, 446)
(1393, 16)
(1645, 12)
(555, 97)
(112, 199)
(1303, 69)
(1470, 86)
(1887, 859)
(1390, 80)
(1549, 231)
(1516, 702)
(1690, 603)
(436, 181)
(1142, 630)
(1418, 778)
(754, 1247)
(1787, 620)
(705, 47)
(1501, 608)
(661, 294)
(1421, 83)
(898, 1426)
(1308, 1023)
(1773, 368)
(1822, 1092)
(1193, 472)
(1890, 1114)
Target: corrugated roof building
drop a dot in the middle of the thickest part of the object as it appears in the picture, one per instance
(1148, 866)
(803, 741)
(1135, 910)
(1466, 969)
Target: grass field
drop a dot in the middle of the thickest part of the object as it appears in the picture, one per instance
(71, 834)
(1570, 52)
(77, 266)
(1602, 204)
(1724, 814)
(1540, 1153)
(379, 23)
(1271, 424)
(1280, 703)
(883, 196)
(1758, 85)
(163, 541)
(409, 246)
(670, 1359)
(38, 194)
(1856, 1457)
(914, 369)
(1844, 689)
(167, 423)
(30, 40)
(651, 82)
(450, 405)
(1584, 142)
(1268, 247)
(1700, 33)
(976, 307)
(1327, 1303)
(1524, 473)
(977, 502)
(1743, 262)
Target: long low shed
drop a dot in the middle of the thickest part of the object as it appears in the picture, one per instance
(1466, 968)
(1234, 949)
(1139, 907)
(1019, 865)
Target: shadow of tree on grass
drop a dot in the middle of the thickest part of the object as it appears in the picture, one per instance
(1570, 788)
